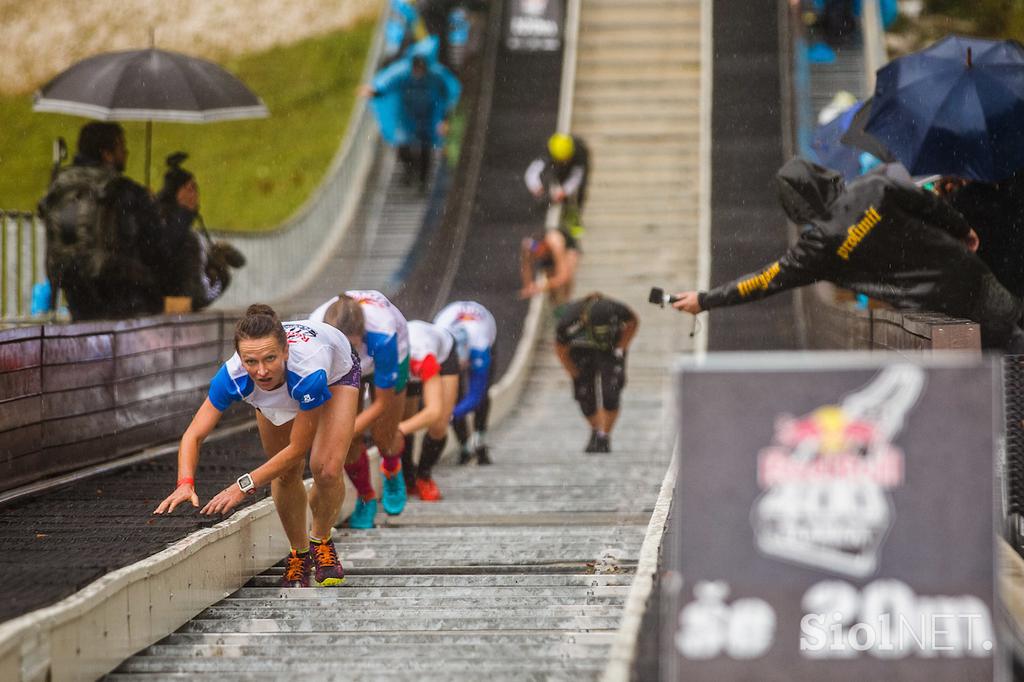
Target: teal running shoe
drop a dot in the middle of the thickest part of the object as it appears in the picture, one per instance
(394, 494)
(362, 516)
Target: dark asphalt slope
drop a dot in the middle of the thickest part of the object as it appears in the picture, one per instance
(523, 113)
(747, 226)
(58, 543)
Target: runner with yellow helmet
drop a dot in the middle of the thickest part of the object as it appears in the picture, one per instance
(562, 172)
(561, 176)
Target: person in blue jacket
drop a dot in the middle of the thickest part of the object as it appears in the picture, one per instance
(413, 99)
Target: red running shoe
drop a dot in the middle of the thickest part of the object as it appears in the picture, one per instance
(427, 490)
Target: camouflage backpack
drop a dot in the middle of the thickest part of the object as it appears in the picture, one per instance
(80, 221)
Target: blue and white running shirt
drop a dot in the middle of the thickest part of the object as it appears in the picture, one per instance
(318, 356)
(481, 329)
(429, 346)
(474, 318)
(386, 341)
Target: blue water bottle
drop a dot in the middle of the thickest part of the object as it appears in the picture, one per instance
(41, 292)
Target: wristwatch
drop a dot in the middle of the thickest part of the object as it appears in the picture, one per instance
(245, 484)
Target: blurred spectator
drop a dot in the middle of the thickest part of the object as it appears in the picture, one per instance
(996, 212)
(189, 263)
(427, 94)
(884, 237)
(99, 227)
(837, 21)
(404, 28)
(436, 14)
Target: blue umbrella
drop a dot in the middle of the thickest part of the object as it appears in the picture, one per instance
(829, 148)
(955, 108)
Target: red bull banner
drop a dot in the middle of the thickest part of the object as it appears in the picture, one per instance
(833, 519)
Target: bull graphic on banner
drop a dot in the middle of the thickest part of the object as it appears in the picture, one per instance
(826, 479)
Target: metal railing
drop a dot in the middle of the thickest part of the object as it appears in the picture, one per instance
(22, 241)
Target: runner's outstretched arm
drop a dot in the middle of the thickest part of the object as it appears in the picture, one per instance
(299, 443)
(562, 351)
(432, 408)
(479, 378)
(188, 457)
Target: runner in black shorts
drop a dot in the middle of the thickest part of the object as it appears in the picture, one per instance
(431, 393)
(591, 341)
(475, 333)
(557, 254)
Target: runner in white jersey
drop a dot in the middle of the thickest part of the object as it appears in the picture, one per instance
(378, 330)
(477, 323)
(303, 379)
(431, 395)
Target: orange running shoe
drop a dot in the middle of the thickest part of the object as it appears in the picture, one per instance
(296, 570)
(427, 490)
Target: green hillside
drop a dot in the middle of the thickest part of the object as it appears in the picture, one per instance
(252, 174)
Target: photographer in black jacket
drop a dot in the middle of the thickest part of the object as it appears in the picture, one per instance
(883, 237)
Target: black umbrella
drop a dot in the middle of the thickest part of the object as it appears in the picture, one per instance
(856, 136)
(149, 85)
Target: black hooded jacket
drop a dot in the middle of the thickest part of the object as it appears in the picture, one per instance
(881, 236)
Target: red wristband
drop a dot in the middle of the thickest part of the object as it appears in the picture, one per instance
(188, 479)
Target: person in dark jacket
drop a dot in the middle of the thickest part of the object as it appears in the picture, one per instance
(192, 264)
(884, 237)
(104, 267)
(178, 203)
(996, 211)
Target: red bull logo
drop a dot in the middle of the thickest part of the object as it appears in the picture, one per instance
(829, 443)
(827, 476)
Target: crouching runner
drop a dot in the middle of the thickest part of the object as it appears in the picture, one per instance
(379, 332)
(303, 379)
(471, 321)
(430, 399)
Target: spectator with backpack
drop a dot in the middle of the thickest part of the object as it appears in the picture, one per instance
(101, 230)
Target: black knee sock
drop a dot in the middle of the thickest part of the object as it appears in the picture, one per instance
(408, 466)
(430, 453)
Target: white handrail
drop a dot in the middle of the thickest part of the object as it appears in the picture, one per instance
(873, 35)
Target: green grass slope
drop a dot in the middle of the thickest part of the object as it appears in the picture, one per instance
(252, 174)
